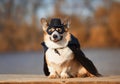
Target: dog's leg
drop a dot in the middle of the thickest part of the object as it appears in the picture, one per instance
(82, 72)
(64, 73)
(90, 75)
(53, 73)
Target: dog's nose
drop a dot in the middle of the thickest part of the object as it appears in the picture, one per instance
(55, 36)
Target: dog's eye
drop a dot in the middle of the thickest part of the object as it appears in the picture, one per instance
(51, 30)
(59, 29)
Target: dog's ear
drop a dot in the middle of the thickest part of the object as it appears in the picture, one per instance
(44, 23)
(67, 22)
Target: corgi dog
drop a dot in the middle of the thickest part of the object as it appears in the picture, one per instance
(63, 57)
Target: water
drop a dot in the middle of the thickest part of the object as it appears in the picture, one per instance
(107, 61)
(21, 63)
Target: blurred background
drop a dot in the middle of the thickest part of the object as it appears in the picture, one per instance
(96, 23)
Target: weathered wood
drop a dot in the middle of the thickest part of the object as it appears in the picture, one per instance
(39, 79)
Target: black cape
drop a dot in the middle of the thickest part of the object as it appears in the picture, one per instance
(79, 55)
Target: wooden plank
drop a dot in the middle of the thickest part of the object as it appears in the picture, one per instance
(39, 79)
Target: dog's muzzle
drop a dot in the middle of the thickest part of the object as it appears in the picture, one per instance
(56, 38)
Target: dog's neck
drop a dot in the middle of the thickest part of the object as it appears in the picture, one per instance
(58, 45)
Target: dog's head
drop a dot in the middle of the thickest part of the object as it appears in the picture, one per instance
(56, 33)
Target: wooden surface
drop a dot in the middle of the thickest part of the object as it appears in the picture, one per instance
(39, 79)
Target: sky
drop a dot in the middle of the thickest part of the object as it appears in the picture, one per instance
(46, 7)
(70, 7)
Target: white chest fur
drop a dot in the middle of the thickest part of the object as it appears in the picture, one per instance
(64, 55)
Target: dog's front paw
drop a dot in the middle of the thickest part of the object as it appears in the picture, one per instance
(52, 76)
(64, 75)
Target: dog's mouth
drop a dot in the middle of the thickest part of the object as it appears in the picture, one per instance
(56, 39)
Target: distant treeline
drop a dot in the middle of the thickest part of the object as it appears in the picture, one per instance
(102, 30)
(15, 37)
